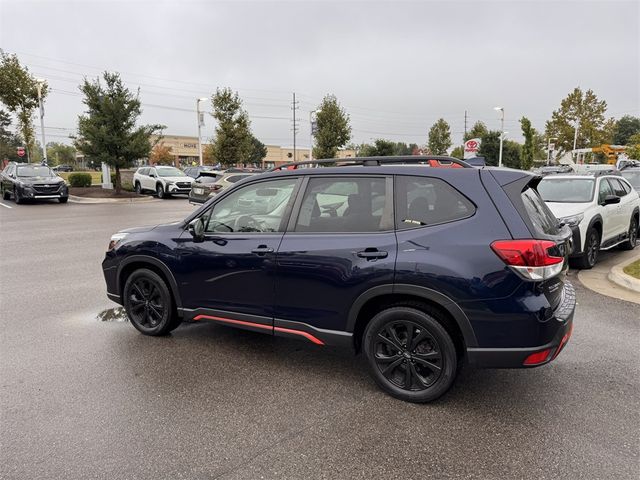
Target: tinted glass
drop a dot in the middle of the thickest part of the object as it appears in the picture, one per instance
(566, 190)
(344, 205)
(236, 178)
(34, 171)
(259, 207)
(207, 179)
(618, 189)
(604, 190)
(541, 217)
(422, 201)
(170, 172)
(633, 177)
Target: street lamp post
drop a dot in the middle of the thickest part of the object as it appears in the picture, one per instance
(200, 121)
(39, 83)
(311, 114)
(549, 148)
(500, 109)
(575, 138)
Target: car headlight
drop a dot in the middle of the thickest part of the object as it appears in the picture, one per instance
(116, 238)
(169, 182)
(572, 220)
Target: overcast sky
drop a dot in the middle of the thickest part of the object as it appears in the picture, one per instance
(396, 67)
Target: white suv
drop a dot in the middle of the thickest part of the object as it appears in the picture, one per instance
(601, 209)
(164, 181)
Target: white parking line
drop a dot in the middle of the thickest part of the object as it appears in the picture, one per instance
(6, 206)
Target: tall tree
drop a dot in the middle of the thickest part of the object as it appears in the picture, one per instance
(19, 93)
(59, 154)
(258, 151)
(233, 141)
(633, 146)
(478, 130)
(490, 150)
(9, 142)
(585, 110)
(333, 128)
(528, 148)
(625, 128)
(439, 138)
(161, 154)
(107, 132)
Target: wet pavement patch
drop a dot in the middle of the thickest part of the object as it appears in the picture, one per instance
(117, 314)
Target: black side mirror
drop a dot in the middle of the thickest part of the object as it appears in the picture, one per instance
(611, 199)
(196, 229)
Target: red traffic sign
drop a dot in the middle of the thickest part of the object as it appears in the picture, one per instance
(21, 151)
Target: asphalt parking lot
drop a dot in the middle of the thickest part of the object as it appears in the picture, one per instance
(86, 398)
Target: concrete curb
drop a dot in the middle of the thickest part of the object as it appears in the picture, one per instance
(75, 199)
(617, 276)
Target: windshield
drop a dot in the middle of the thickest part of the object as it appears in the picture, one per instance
(34, 171)
(170, 172)
(633, 177)
(566, 190)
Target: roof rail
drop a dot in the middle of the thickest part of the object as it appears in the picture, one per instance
(370, 161)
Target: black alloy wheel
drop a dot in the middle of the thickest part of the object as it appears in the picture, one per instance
(410, 354)
(16, 196)
(138, 188)
(160, 191)
(5, 194)
(591, 249)
(148, 303)
(632, 235)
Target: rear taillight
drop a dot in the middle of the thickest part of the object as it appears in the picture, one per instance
(531, 259)
(537, 358)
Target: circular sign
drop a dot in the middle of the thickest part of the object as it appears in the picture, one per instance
(472, 145)
(20, 152)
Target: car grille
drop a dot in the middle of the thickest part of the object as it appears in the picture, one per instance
(183, 184)
(46, 189)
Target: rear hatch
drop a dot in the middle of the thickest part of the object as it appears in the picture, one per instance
(543, 225)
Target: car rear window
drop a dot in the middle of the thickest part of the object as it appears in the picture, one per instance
(543, 220)
(235, 178)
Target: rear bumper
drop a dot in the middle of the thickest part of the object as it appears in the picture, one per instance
(516, 357)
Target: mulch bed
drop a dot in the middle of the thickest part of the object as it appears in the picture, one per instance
(99, 192)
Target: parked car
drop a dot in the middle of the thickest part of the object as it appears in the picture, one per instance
(413, 266)
(194, 172)
(601, 209)
(632, 175)
(32, 181)
(230, 177)
(165, 181)
(63, 168)
(204, 187)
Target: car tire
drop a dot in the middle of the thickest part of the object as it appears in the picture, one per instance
(149, 304)
(589, 257)
(138, 188)
(16, 197)
(632, 239)
(160, 191)
(410, 354)
(5, 195)
(63, 199)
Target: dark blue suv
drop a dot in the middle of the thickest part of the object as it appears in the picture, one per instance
(420, 268)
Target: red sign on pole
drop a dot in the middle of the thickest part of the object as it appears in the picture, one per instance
(20, 151)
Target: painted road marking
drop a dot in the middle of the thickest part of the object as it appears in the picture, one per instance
(6, 206)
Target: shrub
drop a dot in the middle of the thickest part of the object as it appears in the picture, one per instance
(80, 179)
(127, 186)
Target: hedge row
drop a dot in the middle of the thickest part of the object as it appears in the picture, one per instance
(80, 179)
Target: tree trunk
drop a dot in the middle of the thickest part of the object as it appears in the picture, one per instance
(118, 185)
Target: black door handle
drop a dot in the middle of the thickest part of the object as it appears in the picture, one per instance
(262, 250)
(372, 254)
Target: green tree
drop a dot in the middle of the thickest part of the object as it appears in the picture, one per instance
(458, 152)
(9, 142)
(107, 132)
(258, 151)
(625, 128)
(333, 128)
(490, 150)
(233, 141)
(439, 138)
(161, 154)
(585, 110)
(59, 154)
(478, 130)
(528, 149)
(633, 146)
(19, 93)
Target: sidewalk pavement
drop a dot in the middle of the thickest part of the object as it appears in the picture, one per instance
(598, 278)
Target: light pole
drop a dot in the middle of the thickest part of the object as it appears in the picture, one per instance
(500, 109)
(39, 83)
(200, 122)
(311, 114)
(549, 148)
(575, 138)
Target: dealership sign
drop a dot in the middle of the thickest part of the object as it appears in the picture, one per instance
(471, 147)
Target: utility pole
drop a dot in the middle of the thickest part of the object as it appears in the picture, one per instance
(294, 107)
(465, 132)
(39, 84)
(200, 122)
(501, 110)
(575, 139)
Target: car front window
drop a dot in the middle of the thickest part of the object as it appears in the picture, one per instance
(566, 190)
(170, 172)
(34, 171)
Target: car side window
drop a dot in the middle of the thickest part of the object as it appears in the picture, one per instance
(255, 208)
(618, 187)
(604, 190)
(423, 201)
(345, 204)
